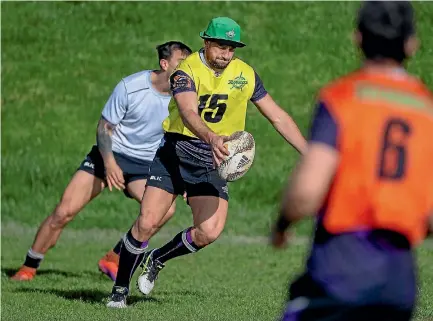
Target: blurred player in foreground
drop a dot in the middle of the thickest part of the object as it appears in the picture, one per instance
(368, 177)
(211, 90)
(128, 135)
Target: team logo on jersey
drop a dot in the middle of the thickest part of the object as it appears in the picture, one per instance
(231, 33)
(239, 82)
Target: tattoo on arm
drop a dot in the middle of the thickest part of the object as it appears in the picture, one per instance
(181, 82)
(103, 138)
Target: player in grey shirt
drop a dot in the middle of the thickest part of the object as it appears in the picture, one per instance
(128, 135)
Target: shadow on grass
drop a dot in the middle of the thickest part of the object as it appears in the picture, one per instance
(86, 295)
(181, 293)
(52, 272)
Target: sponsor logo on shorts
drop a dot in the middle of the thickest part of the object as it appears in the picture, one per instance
(89, 164)
(156, 178)
(225, 189)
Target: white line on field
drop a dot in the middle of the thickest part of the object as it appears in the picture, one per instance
(79, 236)
(83, 236)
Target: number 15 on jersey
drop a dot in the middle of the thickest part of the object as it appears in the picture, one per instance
(213, 111)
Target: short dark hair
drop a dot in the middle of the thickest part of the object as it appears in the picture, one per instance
(385, 26)
(165, 51)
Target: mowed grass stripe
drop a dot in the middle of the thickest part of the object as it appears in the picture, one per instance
(79, 236)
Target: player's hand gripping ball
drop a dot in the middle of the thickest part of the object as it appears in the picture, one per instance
(242, 148)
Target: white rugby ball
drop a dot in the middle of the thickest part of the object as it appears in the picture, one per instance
(242, 148)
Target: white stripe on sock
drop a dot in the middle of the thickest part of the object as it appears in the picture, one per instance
(131, 248)
(186, 243)
(35, 255)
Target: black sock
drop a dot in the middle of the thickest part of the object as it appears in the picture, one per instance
(118, 247)
(130, 257)
(33, 259)
(181, 244)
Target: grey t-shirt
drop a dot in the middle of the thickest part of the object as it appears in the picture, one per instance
(138, 111)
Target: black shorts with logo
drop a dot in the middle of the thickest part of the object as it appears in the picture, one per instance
(133, 168)
(176, 172)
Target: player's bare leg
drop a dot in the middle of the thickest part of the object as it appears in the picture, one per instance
(210, 214)
(82, 188)
(136, 189)
(154, 206)
(109, 264)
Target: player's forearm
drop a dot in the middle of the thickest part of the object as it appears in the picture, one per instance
(289, 214)
(197, 126)
(294, 207)
(104, 141)
(188, 110)
(310, 182)
(290, 132)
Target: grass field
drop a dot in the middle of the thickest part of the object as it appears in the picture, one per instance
(60, 62)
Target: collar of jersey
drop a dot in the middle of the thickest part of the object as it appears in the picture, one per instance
(396, 72)
(203, 60)
(156, 92)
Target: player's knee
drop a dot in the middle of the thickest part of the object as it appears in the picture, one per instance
(148, 222)
(207, 235)
(62, 215)
(212, 236)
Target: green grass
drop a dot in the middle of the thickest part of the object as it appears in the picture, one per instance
(60, 62)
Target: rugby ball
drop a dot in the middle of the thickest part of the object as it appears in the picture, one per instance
(242, 148)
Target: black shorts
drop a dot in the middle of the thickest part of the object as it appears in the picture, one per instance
(309, 302)
(176, 172)
(133, 168)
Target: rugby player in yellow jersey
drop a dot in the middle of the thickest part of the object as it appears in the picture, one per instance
(211, 89)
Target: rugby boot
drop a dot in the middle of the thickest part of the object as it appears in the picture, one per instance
(151, 269)
(25, 273)
(118, 297)
(109, 265)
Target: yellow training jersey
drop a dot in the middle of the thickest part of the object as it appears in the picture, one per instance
(222, 99)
